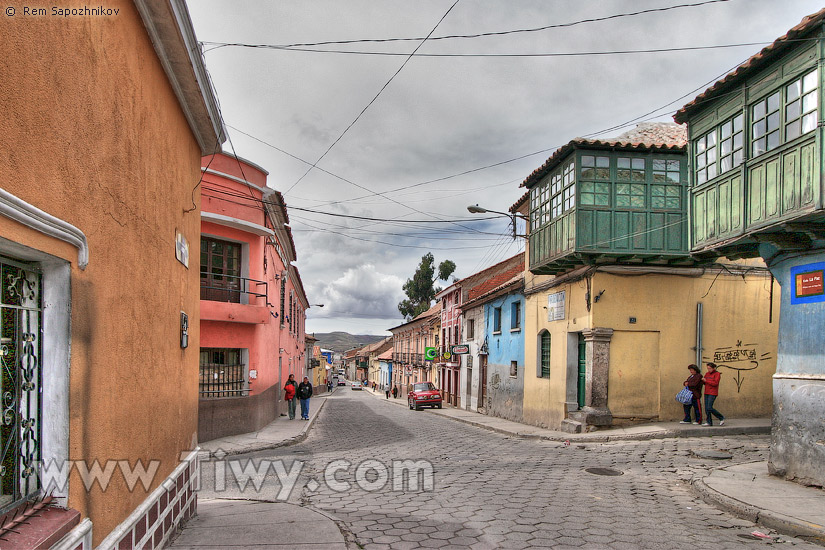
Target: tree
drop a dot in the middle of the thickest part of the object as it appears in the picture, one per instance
(421, 290)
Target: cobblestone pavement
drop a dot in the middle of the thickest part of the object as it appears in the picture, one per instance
(494, 491)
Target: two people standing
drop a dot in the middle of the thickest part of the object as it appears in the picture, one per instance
(293, 392)
(711, 383)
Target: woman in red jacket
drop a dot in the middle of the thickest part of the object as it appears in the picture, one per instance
(711, 381)
(694, 384)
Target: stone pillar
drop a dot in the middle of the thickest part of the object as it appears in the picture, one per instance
(597, 342)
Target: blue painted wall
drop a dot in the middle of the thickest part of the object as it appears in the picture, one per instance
(799, 383)
(505, 393)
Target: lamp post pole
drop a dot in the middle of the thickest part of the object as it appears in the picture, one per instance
(476, 209)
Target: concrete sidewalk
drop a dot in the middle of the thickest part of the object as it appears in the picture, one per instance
(225, 523)
(281, 431)
(652, 430)
(745, 490)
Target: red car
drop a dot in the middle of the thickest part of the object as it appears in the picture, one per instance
(423, 394)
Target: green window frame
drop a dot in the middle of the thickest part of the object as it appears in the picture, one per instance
(631, 190)
(801, 102)
(595, 180)
(731, 143)
(765, 124)
(545, 354)
(706, 157)
(666, 190)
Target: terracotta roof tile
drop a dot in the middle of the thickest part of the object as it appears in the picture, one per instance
(809, 23)
(496, 281)
(651, 136)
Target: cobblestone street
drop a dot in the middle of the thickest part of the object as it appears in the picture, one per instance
(494, 491)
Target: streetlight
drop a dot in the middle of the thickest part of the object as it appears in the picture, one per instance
(476, 209)
(316, 305)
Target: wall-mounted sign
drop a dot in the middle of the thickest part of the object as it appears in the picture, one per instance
(555, 306)
(808, 283)
(430, 354)
(462, 349)
(184, 330)
(182, 249)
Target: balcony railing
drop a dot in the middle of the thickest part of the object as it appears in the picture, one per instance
(229, 288)
(219, 380)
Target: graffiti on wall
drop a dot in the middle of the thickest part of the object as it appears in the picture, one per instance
(739, 358)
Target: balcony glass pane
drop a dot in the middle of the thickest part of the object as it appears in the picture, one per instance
(759, 110)
(793, 110)
(773, 121)
(794, 90)
(737, 123)
(759, 128)
(809, 102)
(809, 82)
(773, 102)
(793, 130)
(809, 122)
(773, 140)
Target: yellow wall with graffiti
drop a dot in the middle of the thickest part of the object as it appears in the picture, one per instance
(653, 317)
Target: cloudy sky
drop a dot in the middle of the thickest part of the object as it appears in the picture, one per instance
(401, 145)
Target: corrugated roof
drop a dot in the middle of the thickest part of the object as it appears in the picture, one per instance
(649, 136)
(809, 23)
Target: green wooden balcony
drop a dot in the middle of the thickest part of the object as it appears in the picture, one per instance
(608, 203)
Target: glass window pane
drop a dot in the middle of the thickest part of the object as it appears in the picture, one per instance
(737, 123)
(622, 188)
(726, 129)
(725, 147)
(759, 110)
(701, 177)
(602, 200)
(673, 177)
(623, 174)
(737, 158)
(759, 128)
(700, 146)
(711, 171)
(794, 90)
(773, 140)
(793, 111)
(726, 164)
(737, 141)
(657, 190)
(809, 102)
(773, 102)
(622, 200)
(588, 173)
(603, 162)
(674, 165)
(638, 164)
(809, 122)
(793, 130)
(623, 163)
(588, 161)
(603, 173)
(711, 156)
(711, 139)
(602, 188)
(637, 201)
(587, 198)
(659, 164)
(809, 82)
(638, 175)
(773, 121)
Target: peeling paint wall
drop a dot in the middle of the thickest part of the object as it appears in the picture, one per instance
(505, 385)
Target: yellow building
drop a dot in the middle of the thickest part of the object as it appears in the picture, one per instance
(616, 307)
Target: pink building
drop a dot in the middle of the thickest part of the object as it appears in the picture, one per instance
(450, 365)
(252, 300)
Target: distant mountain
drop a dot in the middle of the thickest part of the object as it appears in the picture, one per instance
(343, 341)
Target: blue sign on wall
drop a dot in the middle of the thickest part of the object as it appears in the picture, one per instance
(808, 283)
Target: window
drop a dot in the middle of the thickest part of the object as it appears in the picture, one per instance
(800, 106)
(706, 157)
(220, 270)
(497, 320)
(283, 298)
(666, 189)
(544, 355)
(594, 192)
(222, 373)
(20, 377)
(515, 316)
(719, 150)
(731, 138)
(630, 182)
(553, 196)
(513, 369)
(471, 328)
(765, 124)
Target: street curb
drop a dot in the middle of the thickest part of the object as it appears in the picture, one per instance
(774, 520)
(270, 445)
(595, 437)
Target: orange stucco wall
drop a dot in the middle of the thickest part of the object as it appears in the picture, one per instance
(92, 133)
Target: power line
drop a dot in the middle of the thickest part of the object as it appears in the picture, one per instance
(364, 110)
(462, 36)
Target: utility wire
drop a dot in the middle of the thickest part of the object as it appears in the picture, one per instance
(373, 100)
(462, 36)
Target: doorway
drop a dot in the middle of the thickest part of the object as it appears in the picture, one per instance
(582, 371)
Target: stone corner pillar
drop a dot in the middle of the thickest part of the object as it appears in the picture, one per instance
(597, 356)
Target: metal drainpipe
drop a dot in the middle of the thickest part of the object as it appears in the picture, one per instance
(699, 334)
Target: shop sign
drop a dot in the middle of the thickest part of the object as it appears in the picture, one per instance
(462, 349)
(430, 354)
(808, 283)
(555, 306)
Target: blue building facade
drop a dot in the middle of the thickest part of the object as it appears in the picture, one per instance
(504, 330)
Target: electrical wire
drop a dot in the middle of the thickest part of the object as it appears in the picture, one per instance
(464, 36)
(373, 100)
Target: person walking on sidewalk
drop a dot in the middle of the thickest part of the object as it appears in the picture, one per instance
(394, 392)
(694, 384)
(711, 380)
(304, 393)
(387, 391)
(289, 394)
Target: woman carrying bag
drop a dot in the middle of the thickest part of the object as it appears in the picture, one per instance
(694, 384)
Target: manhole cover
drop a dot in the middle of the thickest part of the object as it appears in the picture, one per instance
(603, 471)
(463, 457)
(712, 454)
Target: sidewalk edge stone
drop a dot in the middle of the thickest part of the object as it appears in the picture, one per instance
(774, 520)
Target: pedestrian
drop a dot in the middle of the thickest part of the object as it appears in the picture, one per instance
(711, 380)
(387, 391)
(394, 392)
(329, 385)
(304, 393)
(289, 394)
(694, 384)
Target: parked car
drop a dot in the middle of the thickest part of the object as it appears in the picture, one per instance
(357, 386)
(424, 394)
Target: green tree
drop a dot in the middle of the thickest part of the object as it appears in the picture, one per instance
(421, 289)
